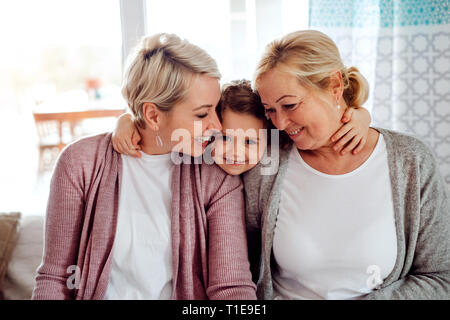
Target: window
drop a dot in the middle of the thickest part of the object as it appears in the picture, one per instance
(56, 56)
(60, 56)
(234, 32)
(57, 49)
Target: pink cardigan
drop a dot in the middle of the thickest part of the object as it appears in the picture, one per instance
(209, 245)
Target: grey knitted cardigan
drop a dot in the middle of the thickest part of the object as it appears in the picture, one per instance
(422, 217)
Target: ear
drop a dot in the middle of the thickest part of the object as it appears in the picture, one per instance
(336, 85)
(152, 115)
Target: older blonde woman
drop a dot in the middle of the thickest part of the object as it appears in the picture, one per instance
(119, 227)
(390, 239)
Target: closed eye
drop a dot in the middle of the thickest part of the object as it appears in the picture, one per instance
(290, 106)
(201, 116)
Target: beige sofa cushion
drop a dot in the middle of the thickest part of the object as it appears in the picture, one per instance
(9, 225)
(25, 259)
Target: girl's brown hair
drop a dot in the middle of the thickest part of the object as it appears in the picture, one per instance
(239, 96)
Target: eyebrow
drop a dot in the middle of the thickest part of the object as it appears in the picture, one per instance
(281, 98)
(203, 106)
(285, 96)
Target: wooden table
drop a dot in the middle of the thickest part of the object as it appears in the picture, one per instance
(44, 121)
(73, 117)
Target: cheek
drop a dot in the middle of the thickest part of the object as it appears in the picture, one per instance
(219, 149)
(321, 127)
(274, 120)
(182, 126)
(196, 127)
(253, 154)
(201, 126)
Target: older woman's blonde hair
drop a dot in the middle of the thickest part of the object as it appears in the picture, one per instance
(312, 57)
(160, 71)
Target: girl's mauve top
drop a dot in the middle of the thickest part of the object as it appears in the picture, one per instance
(209, 246)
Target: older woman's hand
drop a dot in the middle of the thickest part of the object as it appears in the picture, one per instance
(352, 136)
(126, 137)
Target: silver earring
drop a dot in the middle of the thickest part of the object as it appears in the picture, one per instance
(159, 142)
(338, 106)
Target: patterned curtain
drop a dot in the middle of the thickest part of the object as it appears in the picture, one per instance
(403, 49)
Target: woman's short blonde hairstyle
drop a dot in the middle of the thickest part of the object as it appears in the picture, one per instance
(160, 71)
(311, 56)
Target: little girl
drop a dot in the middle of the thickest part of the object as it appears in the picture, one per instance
(240, 146)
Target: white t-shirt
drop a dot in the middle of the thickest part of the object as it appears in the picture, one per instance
(335, 234)
(142, 253)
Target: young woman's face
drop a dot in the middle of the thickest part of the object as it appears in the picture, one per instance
(309, 121)
(191, 123)
(241, 146)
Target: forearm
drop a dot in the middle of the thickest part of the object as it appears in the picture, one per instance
(230, 276)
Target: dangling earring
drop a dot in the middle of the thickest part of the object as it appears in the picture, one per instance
(159, 142)
(338, 106)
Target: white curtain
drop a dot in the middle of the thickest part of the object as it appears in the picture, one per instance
(403, 49)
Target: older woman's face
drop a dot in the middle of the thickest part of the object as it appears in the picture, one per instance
(309, 121)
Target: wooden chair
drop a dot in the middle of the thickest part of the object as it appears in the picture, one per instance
(50, 142)
(50, 131)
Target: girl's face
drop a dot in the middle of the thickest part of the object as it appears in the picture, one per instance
(242, 146)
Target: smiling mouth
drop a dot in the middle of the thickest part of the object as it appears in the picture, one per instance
(295, 132)
(203, 139)
(234, 163)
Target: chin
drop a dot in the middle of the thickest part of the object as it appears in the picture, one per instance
(305, 145)
(234, 171)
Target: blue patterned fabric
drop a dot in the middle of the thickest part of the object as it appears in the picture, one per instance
(403, 49)
(382, 13)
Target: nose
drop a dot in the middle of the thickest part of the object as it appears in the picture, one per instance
(235, 149)
(239, 152)
(214, 122)
(281, 121)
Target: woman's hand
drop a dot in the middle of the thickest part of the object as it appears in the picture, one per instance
(352, 136)
(126, 137)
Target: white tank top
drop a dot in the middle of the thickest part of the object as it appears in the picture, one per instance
(142, 252)
(335, 235)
